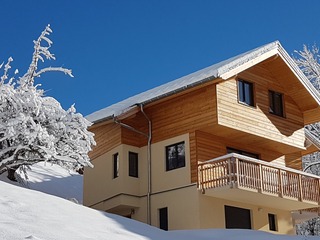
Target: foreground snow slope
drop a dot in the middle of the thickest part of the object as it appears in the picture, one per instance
(29, 214)
(52, 179)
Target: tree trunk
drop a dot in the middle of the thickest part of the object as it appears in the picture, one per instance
(11, 173)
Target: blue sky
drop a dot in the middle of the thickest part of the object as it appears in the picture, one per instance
(118, 48)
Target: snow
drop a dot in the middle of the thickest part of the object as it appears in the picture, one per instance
(51, 179)
(30, 214)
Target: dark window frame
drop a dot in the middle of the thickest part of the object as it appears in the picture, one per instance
(272, 219)
(276, 103)
(245, 92)
(174, 160)
(133, 160)
(116, 165)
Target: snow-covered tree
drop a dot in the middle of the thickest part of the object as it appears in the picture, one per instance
(34, 127)
(309, 62)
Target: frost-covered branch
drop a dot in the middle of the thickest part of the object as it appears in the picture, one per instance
(41, 53)
(34, 127)
(308, 60)
(54, 69)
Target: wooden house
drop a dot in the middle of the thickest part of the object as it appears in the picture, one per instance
(219, 148)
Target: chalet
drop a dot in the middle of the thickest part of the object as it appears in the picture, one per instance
(219, 148)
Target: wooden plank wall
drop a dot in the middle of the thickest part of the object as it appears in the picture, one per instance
(107, 137)
(175, 116)
(257, 120)
(183, 114)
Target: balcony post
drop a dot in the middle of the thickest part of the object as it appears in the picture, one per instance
(230, 172)
(300, 188)
(201, 178)
(261, 178)
(237, 172)
(280, 184)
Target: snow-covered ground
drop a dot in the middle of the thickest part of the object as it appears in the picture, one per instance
(30, 214)
(52, 179)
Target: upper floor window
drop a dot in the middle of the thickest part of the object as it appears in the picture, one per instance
(276, 103)
(175, 156)
(115, 165)
(245, 92)
(133, 164)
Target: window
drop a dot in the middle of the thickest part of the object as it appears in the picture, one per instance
(175, 156)
(244, 153)
(237, 217)
(115, 165)
(245, 92)
(133, 164)
(276, 103)
(163, 218)
(272, 222)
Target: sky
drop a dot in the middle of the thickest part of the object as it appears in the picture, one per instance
(119, 48)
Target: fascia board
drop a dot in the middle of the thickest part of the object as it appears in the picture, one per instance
(249, 64)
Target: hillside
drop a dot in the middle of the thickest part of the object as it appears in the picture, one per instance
(30, 214)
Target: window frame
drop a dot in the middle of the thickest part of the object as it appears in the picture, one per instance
(273, 101)
(242, 99)
(116, 165)
(133, 164)
(178, 163)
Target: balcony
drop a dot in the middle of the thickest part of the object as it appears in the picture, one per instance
(239, 178)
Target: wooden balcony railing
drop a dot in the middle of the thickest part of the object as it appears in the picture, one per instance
(239, 171)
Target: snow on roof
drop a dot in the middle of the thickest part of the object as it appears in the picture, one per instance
(180, 84)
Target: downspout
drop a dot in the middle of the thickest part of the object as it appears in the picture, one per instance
(149, 136)
(149, 165)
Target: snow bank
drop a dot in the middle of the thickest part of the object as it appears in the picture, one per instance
(29, 214)
(52, 179)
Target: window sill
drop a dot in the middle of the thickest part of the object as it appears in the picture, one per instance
(278, 116)
(247, 105)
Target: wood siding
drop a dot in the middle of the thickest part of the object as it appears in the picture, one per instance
(175, 116)
(183, 114)
(257, 120)
(107, 137)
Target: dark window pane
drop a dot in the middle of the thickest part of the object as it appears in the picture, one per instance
(276, 103)
(116, 165)
(175, 156)
(245, 92)
(133, 164)
(163, 218)
(272, 222)
(241, 91)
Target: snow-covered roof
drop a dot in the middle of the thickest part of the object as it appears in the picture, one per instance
(220, 70)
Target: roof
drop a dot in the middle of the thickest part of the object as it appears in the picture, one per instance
(223, 70)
